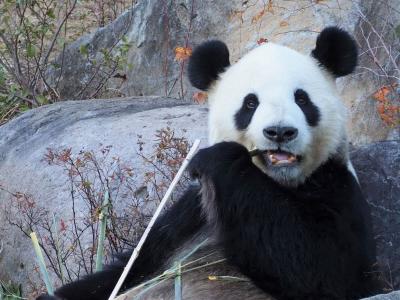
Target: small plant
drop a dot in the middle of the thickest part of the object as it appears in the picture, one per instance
(34, 33)
(10, 291)
(96, 181)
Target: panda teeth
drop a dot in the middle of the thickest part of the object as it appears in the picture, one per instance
(282, 162)
(275, 161)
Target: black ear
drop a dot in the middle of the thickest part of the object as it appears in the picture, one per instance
(207, 61)
(336, 50)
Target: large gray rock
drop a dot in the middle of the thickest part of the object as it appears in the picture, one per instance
(78, 125)
(378, 169)
(152, 47)
(154, 28)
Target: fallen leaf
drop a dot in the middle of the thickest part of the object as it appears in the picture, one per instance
(283, 24)
(200, 97)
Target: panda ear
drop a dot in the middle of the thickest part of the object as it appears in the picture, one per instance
(336, 50)
(207, 62)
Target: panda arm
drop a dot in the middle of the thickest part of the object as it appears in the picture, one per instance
(290, 250)
(171, 230)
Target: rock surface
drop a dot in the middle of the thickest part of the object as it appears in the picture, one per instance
(390, 296)
(378, 169)
(154, 28)
(78, 125)
(86, 124)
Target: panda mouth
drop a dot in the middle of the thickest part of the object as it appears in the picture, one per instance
(279, 158)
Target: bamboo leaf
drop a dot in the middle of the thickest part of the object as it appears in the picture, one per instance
(42, 264)
(102, 233)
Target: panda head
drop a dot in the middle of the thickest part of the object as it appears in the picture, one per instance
(279, 101)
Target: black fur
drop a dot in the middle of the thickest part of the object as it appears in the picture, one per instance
(172, 229)
(336, 50)
(311, 112)
(245, 113)
(207, 62)
(311, 242)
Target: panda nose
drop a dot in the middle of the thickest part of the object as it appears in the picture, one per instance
(280, 134)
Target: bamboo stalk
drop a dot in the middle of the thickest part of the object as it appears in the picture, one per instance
(178, 282)
(135, 252)
(42, 265)
(254, 152)
(103, 224)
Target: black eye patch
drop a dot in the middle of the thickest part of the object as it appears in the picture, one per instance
(246, 112)
(311, 112)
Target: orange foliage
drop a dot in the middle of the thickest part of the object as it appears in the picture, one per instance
(200, 97)
(182, 53)
(382, 93)
(388, 112)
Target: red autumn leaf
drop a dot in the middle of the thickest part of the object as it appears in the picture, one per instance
(200, 97)
(262, 41)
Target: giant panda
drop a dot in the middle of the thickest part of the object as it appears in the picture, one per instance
(277, 202)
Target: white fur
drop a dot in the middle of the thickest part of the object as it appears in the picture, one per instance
(273, 73)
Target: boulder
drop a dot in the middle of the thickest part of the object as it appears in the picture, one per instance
(378, 169)
(79, 125)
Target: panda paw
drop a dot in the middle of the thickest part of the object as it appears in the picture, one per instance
(218, 159)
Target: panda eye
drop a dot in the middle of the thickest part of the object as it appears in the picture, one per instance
(251, 101)
(301, 97)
